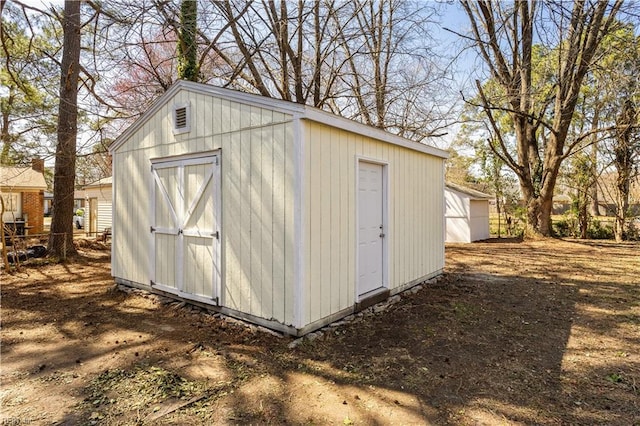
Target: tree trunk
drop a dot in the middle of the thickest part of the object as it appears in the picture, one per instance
(592, 193)
(624, 165)
(539, 210)
(187, 47)
(504, 37)
(61, 239)
(4, 134)
(622, 205)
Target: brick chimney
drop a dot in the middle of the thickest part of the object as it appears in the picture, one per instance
(37, 164)
(33, 202)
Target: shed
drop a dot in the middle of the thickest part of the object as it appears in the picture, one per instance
(22, 189)
(270, 211)
(467, 214)
(99, 205)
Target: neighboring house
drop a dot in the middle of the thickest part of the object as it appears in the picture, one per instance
(275, 212)
(561, 204)
(97, 215)
(22, 189)
(48, 203)
(467, 214)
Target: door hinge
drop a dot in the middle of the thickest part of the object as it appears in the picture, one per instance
(152, 229)
(216, 235)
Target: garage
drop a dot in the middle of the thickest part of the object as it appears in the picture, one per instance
(272, 212)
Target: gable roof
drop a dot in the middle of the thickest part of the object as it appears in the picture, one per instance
(298, 111)
(21, 179)
(102, 182)
(472, 193)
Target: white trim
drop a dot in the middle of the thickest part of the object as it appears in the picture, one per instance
(278, 105)
(385, 222)
(196, 198)
(315, 114)
(299, 223)
(217, 223)
(113, 216)
(195, 156)
(164, 193)
(179, 279)
(152, 221)
(180, 163)
(285, 107)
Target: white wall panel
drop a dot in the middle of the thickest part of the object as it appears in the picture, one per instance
(415, 215)
(257, 198)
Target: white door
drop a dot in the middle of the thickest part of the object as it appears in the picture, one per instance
(186, 235)
(370, 227)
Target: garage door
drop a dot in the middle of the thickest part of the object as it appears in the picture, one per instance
(185, 227)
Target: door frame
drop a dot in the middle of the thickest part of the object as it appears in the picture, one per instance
(385, 225)
(214, 158)
(93, 216)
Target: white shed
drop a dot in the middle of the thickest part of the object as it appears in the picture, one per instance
(98, 195)
(274, 212)
(467, 214)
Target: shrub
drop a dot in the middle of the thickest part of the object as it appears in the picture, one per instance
(597, 231)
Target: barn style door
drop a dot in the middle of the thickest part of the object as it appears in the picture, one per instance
(185, 227)
(371, 227)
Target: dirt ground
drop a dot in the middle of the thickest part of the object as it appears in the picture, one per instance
(543, 332)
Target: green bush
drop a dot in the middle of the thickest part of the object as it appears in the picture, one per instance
(633, 230)
(597, 231)
(562, 228)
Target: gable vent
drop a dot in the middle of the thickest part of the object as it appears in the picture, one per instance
(181, 118)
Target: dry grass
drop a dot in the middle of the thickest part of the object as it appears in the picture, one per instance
(543, 332)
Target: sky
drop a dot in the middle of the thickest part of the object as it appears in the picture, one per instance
(453, 17)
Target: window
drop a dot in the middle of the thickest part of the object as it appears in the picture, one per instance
(10, 202)
(181, 118)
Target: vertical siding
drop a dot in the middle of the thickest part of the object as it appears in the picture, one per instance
(415, 212)
(103, 196)
(257, 198)
(104, 215)
(479, 219)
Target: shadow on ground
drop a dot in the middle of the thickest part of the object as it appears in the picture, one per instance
(533, 332)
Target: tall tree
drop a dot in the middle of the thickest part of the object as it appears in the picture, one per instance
(368, 61)
(187, 44)
(27, 101)
(607, 92)
(61, 240)
(627, 147)
(504, 34)
(318, 53)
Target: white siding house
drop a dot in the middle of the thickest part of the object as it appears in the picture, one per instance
(270, 211)
(467, 214)
(99, 205)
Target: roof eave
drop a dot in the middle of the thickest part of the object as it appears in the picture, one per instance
(205, 89)
(297, 110)
(317, 115)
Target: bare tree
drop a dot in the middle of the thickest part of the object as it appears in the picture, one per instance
(504, 35)
(61, 241)
(627, 147)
